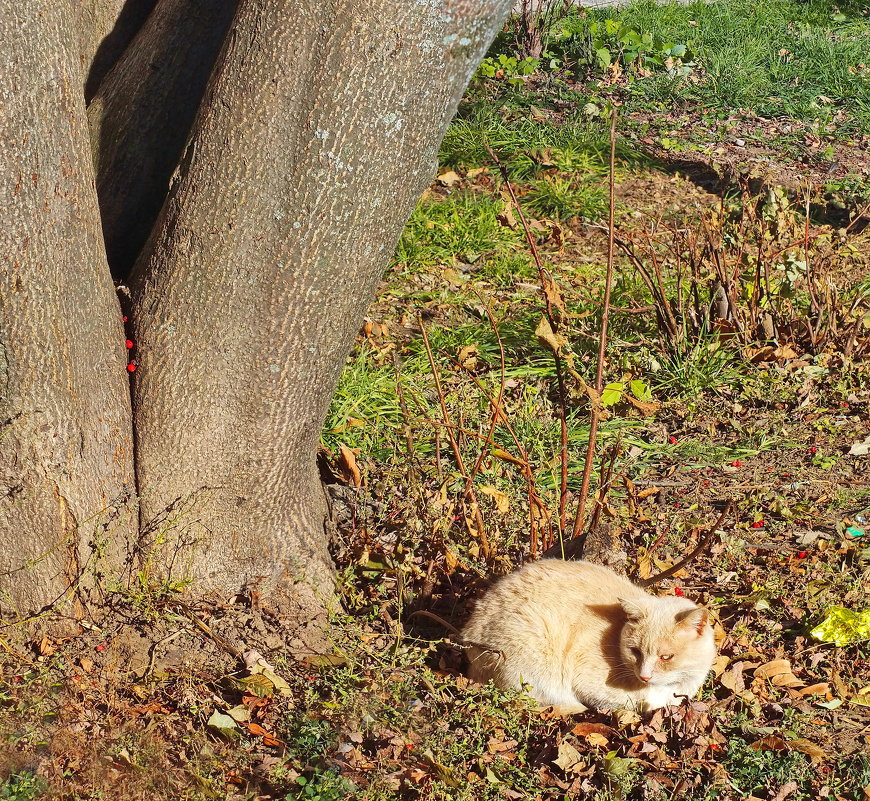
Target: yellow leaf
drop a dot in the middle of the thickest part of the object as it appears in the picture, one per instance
(502, 504)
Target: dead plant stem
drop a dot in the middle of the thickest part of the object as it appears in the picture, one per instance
(546, 280)
(602, 343)
(469, 493)
(705, 539)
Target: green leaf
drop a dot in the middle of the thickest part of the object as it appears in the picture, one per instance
(616, 767)
(640, 390)
(612, 393)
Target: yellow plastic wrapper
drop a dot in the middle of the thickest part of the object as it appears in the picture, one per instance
(843, 626)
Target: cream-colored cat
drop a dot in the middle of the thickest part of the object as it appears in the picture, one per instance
(583, 636)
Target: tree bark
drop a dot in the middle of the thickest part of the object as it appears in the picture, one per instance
(318, 132)
(66, 476)
(141, 115)
(106, 28)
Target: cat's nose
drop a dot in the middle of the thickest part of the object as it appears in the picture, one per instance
(645, 678)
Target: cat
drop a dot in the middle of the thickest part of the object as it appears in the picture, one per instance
(581, 636)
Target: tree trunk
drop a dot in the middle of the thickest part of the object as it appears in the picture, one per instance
(66, 476)
(141, 115)
(318, 132)
(106, 28)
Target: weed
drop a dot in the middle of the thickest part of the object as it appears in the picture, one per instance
(462, 226)
(22, 786)
(754, 771)
(563, 198)
(322, 786)
(695, 369)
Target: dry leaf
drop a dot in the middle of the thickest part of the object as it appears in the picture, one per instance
(759, 355)
(646, 408)
(557, 343)
(553, 294)
(786, 790)
(348, 465)
(585, 729)
(507, 217)
(779, 672)
(569, 758)
(259, 668)
(719, 664)
(813, 751)
(770, 743)
(822, 688)
(448, 178)
(496, 746)
(467, 357)
(502, 502)
(46, 647)
(267, 738)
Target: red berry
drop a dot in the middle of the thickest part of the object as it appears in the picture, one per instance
(128, 343)
(801, 554)
(124, 319)
(672, 440)
(758, 524)
(814, 449)
(131, 368)
(678, 591)
(737, 463)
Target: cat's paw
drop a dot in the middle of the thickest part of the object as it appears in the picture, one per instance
(656, 698)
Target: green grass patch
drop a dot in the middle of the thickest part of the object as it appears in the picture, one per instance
(462, 226)
(801, 58)
(574, 144)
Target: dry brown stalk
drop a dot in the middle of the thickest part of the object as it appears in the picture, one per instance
(552, 318)
(469, 494)
(497, 406)
(703, 542)
(522, 462)
(602, 343)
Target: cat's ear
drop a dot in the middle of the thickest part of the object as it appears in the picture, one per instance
(694, 619)
(633, 608)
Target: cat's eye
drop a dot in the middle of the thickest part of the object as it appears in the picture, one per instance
(666, 657)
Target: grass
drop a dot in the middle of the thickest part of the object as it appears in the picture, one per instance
(461, 227)
(786, 57)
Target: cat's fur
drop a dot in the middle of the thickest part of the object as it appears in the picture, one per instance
(580, 635)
